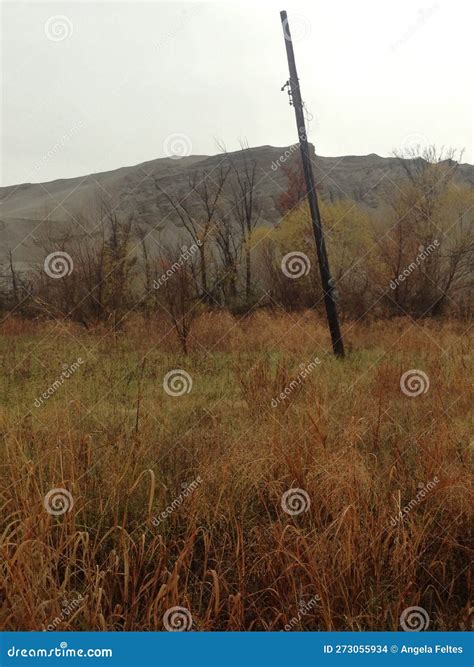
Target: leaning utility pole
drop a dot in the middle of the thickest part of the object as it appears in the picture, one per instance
(326, 280)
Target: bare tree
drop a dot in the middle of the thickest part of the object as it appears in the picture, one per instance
(197, 211)
(176, 293)
(118, 263)
(246, 205)
(228, 240)
(96, 278)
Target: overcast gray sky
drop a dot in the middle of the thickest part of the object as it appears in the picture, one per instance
(91, 86)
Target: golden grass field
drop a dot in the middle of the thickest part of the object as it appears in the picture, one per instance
(226, 550)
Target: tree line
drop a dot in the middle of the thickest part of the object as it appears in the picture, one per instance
(412, 255)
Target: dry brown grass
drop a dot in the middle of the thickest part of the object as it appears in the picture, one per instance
(346, 435)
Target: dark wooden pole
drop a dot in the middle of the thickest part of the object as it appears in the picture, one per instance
(327, 283)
